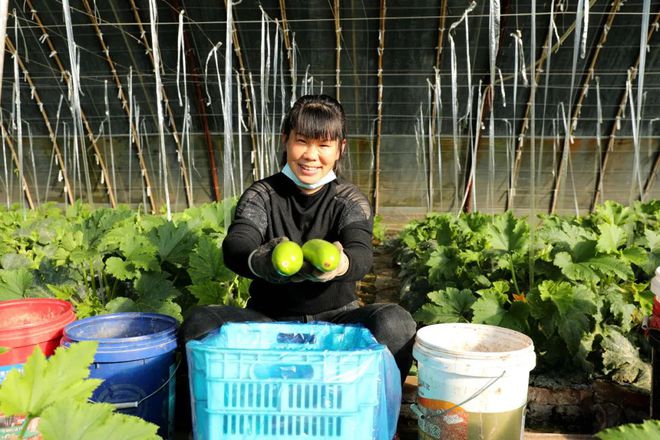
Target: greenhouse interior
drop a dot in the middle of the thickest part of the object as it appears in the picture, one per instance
(509, 151)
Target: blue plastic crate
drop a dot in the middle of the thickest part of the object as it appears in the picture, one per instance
(292, 381)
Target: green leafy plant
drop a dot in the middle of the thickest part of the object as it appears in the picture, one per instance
(110, 260)
(379, 229)
(648, 430)
(579, 286)
(56, 391)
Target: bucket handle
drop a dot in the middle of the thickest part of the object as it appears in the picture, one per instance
(135, 404)
(420, 413)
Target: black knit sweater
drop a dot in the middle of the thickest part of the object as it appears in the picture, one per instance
(275, 207)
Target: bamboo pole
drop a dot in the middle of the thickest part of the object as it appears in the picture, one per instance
(51, 133)
(90, 133)
(379, 117)
(336, 12)
(434, 108)
(191, 60)
(24, 183)
(287, 41)
(168, 107)
(617, 120)
(150, 195)
(124, 103)
(575, 114)
(248, 101)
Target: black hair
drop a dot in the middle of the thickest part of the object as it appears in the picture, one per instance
(316, 117)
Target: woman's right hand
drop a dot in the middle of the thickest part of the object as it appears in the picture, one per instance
(260, 262)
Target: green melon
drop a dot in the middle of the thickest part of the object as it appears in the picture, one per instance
(321, 254)
(287, 258)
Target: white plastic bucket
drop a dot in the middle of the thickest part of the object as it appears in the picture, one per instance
(473, 381)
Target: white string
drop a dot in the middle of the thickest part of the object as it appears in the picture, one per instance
(155, 46)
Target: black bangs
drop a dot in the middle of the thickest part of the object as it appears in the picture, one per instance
(317, 121)
(316, 117)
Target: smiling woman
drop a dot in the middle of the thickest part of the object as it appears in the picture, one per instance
(308, 202)
(314, 137)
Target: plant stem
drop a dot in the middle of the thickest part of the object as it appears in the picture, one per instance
(513, 275)
(26, 423)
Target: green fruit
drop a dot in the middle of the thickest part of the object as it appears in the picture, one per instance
(287, 258)
(322, 254)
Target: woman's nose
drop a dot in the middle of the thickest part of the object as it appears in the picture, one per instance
(311, 151)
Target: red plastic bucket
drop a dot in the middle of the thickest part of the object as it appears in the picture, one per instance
(31, 322)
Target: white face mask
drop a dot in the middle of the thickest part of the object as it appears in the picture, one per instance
(322, 181)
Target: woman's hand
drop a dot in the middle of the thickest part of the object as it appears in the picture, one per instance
(260, 262)
(309, 273)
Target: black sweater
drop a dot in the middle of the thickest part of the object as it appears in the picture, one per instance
(275, 207)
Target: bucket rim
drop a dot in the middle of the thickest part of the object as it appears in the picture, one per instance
(426, 345)
(70, 331)
(119, 349)
(65, 316)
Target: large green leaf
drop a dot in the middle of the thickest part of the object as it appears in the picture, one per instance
(574, 309)
(635, 255)
(16, 283)
(489, 309)
(621, 306)
(206, 263)
(173, 242)
(584, 264)
(443, 264)
(43, 382)
(92, 421)
(611, 237)
(622, 359)
(210, 292)
(450, 305)
(102, 220)
(140, 252)
(612, 213)
(12, 260)
(508, 234)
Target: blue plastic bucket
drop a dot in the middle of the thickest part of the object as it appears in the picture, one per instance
(136, 360)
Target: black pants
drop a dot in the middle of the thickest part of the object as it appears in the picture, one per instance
(390, 324)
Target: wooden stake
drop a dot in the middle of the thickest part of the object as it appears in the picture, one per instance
(379, 117)
(575, 114)
(336, 12)
(53, 138)
(90, 133)
(24, 183)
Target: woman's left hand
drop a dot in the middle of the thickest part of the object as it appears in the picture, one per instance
(309, 273)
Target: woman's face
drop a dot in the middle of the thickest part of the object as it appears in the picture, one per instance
(311, 159)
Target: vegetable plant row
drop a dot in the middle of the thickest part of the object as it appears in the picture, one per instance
(114, 260)
(578, 285)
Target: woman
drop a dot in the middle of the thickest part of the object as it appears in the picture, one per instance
(306, 200)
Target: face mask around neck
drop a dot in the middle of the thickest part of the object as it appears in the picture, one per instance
(325, 179)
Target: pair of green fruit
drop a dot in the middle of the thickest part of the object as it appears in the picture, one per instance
(288, 256)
